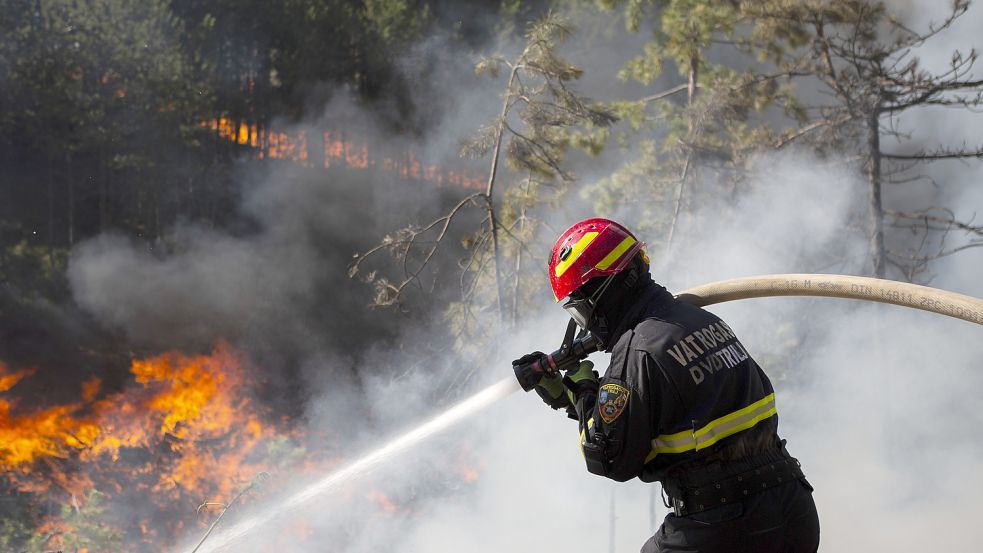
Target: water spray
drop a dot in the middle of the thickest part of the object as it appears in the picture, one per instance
(225, 539)
(572, 351)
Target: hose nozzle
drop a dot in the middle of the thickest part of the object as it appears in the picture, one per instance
(565, 358)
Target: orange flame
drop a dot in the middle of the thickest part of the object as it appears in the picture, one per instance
(187, 425)
(183, 431)
(47, 433)
(380, 499)
(339, 151)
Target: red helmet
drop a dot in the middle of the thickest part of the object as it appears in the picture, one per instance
(588, 249)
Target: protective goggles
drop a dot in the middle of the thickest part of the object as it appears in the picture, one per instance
(580, 310)
(581, 303)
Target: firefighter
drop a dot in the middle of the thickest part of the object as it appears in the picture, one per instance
(682, 403)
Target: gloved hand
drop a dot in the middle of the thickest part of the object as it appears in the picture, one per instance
(554, 394)
(580, 380)
(529, 369)
(532, 376)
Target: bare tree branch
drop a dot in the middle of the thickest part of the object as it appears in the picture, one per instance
(949, 222)
(389, 293)
(665, 93)
(806, 129)
(935, 156)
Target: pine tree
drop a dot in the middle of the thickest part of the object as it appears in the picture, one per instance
(691, 139)
(864, 59)
(541, 118)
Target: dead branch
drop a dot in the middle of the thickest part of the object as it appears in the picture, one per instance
(940, 254)
(806, 129)
(948, 222)
(666, 93)
(918, 38)
(936, 155)
(391, 293)
(257, 481)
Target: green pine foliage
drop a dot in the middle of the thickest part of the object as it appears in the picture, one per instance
(542, 118)
(692, 135)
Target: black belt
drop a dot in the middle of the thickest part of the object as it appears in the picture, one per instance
(687, 500)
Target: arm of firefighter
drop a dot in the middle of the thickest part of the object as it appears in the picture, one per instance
(555, 394)
(615, 431)
(529, 371)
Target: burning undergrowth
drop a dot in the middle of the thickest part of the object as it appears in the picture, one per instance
(185, 431)
(134, 469)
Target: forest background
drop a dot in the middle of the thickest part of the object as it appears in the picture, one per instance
(309, 219)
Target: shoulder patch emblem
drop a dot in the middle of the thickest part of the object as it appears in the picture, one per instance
(611, 401)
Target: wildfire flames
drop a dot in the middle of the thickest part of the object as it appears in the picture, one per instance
(339, 151)
(158, 458)
(183, 433)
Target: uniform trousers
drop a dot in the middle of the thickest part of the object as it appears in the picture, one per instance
(781, 519)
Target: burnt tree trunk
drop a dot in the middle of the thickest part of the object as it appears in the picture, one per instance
(103, 189)
(489, 202)
(694, 75)
(50, 180)
(70, 189)
(874, 208)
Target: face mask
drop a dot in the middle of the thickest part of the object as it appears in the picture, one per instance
(581, 309)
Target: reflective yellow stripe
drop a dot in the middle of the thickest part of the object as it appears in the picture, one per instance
(718, 429)
(575, 252)
(610, 258)
(583, 434)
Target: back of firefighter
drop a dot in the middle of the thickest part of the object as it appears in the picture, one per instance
(682, 402)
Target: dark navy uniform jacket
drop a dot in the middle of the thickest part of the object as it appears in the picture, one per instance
(680, 389)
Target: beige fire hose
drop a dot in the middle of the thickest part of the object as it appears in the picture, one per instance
(938, 301)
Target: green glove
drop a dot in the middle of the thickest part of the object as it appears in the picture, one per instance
(551, 389)
(580, 380)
